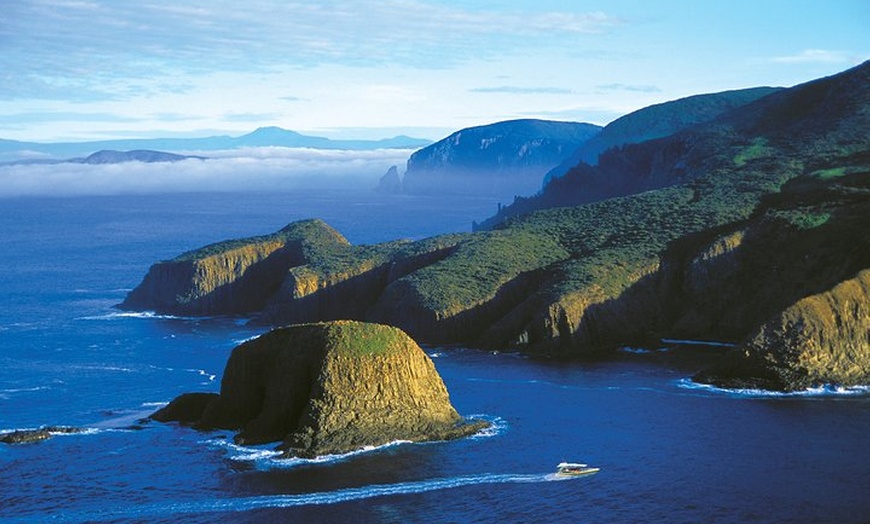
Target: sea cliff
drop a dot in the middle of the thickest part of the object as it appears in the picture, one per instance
(327, 388)
(820, 339)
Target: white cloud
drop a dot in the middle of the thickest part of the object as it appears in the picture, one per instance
(250, 169)
(60, 48)
(814, 56)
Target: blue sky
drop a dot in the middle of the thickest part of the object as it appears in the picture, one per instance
(88, 69)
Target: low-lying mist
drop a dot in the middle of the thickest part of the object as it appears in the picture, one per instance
(249, 169)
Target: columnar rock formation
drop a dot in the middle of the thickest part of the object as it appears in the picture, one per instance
(327, 388)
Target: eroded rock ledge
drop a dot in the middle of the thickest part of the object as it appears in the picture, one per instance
(327, 388)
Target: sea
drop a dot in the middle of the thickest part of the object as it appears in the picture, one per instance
(668, 450)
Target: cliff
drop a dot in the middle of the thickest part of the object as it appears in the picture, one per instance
(736, 220)
(820, 339)
(501, 159)
(328, 388)
(232, 277)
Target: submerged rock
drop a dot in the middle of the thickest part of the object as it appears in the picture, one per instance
(327, 388)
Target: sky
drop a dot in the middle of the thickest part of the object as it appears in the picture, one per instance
(75, 70)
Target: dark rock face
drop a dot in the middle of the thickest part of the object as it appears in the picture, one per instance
(25, 436)
(327, 388)
(187, 408)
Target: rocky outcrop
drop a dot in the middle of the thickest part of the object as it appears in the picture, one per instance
(390, 182)
(327, 388)
(820, 339)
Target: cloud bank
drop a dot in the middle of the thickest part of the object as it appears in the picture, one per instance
(271, 169)
(54, 48)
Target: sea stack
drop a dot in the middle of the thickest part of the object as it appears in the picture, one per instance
(327, 388)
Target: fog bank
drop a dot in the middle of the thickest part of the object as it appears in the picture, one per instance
(248, 169)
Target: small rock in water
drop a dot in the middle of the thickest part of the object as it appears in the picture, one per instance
(26, 436)
(29, 436)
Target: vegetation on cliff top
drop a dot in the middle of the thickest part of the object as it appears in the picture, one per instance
(326, 388)
(313, 232)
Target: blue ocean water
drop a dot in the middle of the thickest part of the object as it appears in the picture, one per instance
(669, 451)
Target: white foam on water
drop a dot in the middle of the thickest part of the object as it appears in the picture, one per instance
(827, 390)
(154, 404)
(241, 341)
(23, 390)
(268, 458)
(115, 315)
(203, 373)
(641, 351)
(497, 426)
(697, 342)
(226, 505)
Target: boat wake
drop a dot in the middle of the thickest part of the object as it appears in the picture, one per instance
(225, 505)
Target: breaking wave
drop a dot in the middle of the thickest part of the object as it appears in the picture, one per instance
(131, 314)
(827, 390)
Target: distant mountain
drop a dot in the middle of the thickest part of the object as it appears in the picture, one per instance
(107, 156)
(12, 150)
(502, 159)
(658, 121)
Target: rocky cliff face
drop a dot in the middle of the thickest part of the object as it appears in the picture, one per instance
(328, 388)
(231, 277)
(820, 339)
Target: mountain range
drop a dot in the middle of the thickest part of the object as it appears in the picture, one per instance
(12, 150)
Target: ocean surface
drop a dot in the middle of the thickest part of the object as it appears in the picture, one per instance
(669, 450)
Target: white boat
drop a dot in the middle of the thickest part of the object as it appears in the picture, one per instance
(574, 469)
